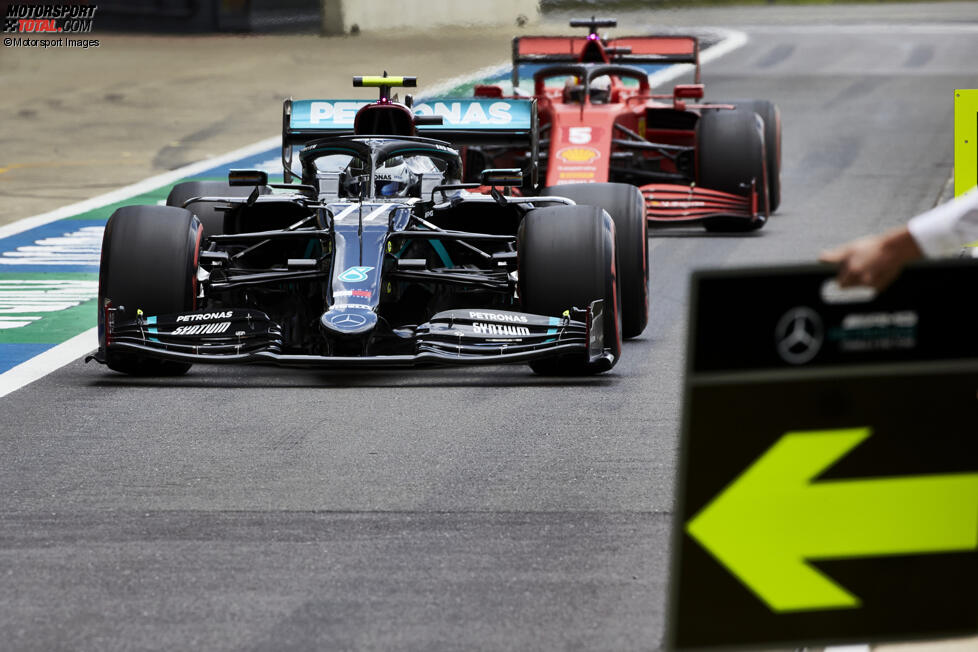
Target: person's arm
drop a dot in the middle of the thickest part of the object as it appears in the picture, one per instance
(876, 260)
(944, 229)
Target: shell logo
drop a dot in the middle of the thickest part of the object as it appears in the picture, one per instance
(578, 154)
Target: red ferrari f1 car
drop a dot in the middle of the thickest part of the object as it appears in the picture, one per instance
(713, 163)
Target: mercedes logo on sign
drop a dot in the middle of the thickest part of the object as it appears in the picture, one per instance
(799, 335)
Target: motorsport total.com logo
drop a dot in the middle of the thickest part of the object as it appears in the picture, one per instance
(49, 19)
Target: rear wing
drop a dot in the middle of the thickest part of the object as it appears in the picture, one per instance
(634, 50)
(466, 121)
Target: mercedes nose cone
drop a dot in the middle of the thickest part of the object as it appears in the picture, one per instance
(348, 321)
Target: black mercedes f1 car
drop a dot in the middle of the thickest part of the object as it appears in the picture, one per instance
(380, 257)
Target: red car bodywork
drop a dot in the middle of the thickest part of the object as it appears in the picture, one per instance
(634, 136)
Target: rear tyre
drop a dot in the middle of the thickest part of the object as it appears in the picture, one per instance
(567, 259)
(626, 206)
(210, 218)
(149, 263)
(729, 154)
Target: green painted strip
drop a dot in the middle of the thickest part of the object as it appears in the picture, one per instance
(45, 276)
(55, 327)
(105, 212)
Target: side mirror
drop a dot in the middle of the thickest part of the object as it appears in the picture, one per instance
(427, 120)
(488, 90)
(688, 91)
(501, 177)
(247, 178)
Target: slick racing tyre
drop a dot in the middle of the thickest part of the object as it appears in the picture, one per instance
(210, 218)
(149, 263)
(626, 206)
(729, 154)
(567, 259)
(771, 115)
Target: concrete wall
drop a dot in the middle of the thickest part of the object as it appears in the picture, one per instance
(346, 16)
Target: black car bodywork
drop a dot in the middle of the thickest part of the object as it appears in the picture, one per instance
(332, 273)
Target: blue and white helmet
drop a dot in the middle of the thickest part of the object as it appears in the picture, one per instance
(394, 178)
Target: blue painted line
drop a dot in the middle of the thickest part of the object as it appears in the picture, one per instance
(71, 239)
(31, 238)
(14, 353)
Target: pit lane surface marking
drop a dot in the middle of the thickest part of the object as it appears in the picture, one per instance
(866, 28)
(36, 252)
(39, 267)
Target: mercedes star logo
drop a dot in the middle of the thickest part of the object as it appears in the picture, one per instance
(799, 335)
(348, 321)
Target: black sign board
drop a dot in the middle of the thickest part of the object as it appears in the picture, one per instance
(828, 485)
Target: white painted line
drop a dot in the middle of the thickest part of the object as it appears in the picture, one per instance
(866, 28)
(146, 185)
(343, 213)
(377, 213)
(52, 359)
(481, 73)
(848, 648)
(730, 40)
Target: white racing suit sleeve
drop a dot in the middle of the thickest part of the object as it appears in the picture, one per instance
(944, 229)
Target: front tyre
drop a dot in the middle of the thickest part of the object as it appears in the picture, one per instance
(149, 263)
(730, 155)
(568, 259)
(626, 206)
(771, 115)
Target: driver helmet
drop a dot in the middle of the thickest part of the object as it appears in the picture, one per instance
(600, 89)
(573, 91)
(393, 178)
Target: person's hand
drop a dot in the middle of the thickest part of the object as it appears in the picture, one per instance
(874, 260)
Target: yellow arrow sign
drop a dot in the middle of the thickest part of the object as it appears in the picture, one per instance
(773, 519)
